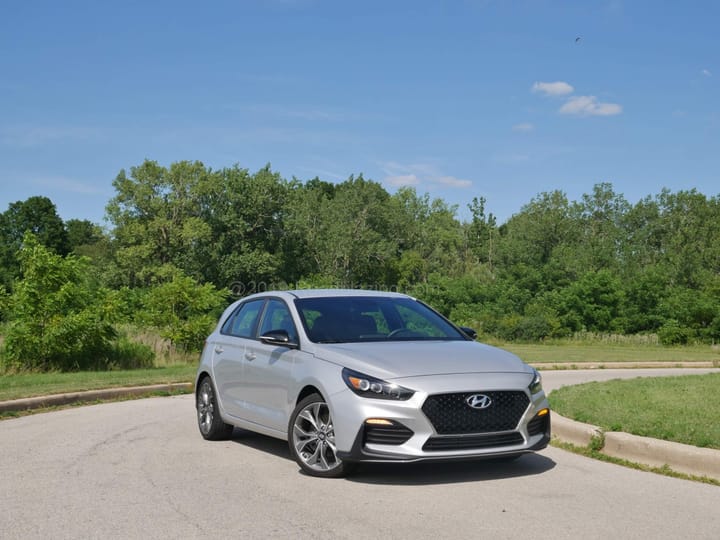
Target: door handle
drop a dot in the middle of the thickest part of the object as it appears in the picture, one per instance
(219, 349)
(250, 356)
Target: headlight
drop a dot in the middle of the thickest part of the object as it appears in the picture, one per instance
(370, 387)
(536, 384)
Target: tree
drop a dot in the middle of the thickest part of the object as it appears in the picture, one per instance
(82, 232)
(601, 215)
(482, 232)
(58, 320)
(430, 238)
(216, 226)
(182, 309)
(246, 223)
(158, 216)
(344, 232)
(37, 215)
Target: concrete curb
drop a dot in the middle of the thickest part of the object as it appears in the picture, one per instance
(621, 365)
(91, 395)
(573, 432)
(679, 457)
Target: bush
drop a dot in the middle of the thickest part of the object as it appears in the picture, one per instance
(58, 320)
(672, 333)
(127, 354)
(183, 310)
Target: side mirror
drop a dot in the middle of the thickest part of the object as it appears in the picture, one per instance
(469, 332)
(279, 338)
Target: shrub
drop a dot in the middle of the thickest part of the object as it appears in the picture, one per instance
(672, 333)
(183, 310)
(57, 314)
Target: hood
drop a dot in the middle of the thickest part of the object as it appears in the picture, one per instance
(401, 359)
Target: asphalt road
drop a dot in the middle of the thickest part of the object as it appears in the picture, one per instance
(139, 469)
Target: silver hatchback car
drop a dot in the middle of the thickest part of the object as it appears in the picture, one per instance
(347, 376)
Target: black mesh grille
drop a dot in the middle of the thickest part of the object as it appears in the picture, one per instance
(451, 415)
(395, 434)
(472, 442)
(538, 425)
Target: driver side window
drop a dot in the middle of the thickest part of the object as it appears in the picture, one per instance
(277, 317)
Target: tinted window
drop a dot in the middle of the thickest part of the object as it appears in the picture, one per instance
(277, 317)
(243, 322)
(358, 318)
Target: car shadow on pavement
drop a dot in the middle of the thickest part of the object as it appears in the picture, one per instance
(266, 444)
(411, 474)
(451, 472)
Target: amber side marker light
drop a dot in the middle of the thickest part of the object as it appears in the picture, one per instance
(543, 412)
(378, 422)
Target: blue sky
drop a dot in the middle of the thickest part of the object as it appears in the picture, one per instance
(462, 99)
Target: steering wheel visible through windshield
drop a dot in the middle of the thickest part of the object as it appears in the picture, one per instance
(358, 318)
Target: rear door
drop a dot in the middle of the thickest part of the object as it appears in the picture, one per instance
(229, 350)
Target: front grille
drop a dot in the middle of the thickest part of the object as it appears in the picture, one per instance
(394, 434)
(538, 425)
(473, 442)
(451, 415)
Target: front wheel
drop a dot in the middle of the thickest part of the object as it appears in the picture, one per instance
(311, 436)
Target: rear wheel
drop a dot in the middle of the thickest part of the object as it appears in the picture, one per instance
(211, 425)
(311, 436)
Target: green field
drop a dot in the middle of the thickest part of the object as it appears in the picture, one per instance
(683, 409)
(583, 353)
(39, 384)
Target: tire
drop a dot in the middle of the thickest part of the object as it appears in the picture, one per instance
(311, 437)
(211, 426)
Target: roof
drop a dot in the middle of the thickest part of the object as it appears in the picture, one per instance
(327, 293)
(319, 293)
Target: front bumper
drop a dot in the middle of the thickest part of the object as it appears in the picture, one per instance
(413, 436)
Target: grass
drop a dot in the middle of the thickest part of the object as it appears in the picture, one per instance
(37, 384)
(682, 409)
(573, 352)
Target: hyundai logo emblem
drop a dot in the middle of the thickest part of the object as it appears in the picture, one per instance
(478, 401)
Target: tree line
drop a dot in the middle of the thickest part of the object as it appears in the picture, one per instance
(183, 240)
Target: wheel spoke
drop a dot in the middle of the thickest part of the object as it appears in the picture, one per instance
(308, 415)
(313, 458)
(323, 459)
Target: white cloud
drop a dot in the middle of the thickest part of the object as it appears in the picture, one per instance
(420, 173)
(322, 173)
(589, 106)
(706, 72)
(403, 180)
(453, 182)
(558, 88)
(523, 127)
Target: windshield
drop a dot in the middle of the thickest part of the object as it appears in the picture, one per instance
(344, 319)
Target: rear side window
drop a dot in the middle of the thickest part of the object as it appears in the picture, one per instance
(243, 322)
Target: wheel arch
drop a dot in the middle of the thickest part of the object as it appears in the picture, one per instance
(201, 376)
(307, 390)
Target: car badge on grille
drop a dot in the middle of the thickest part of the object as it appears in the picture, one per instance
(478, 401)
